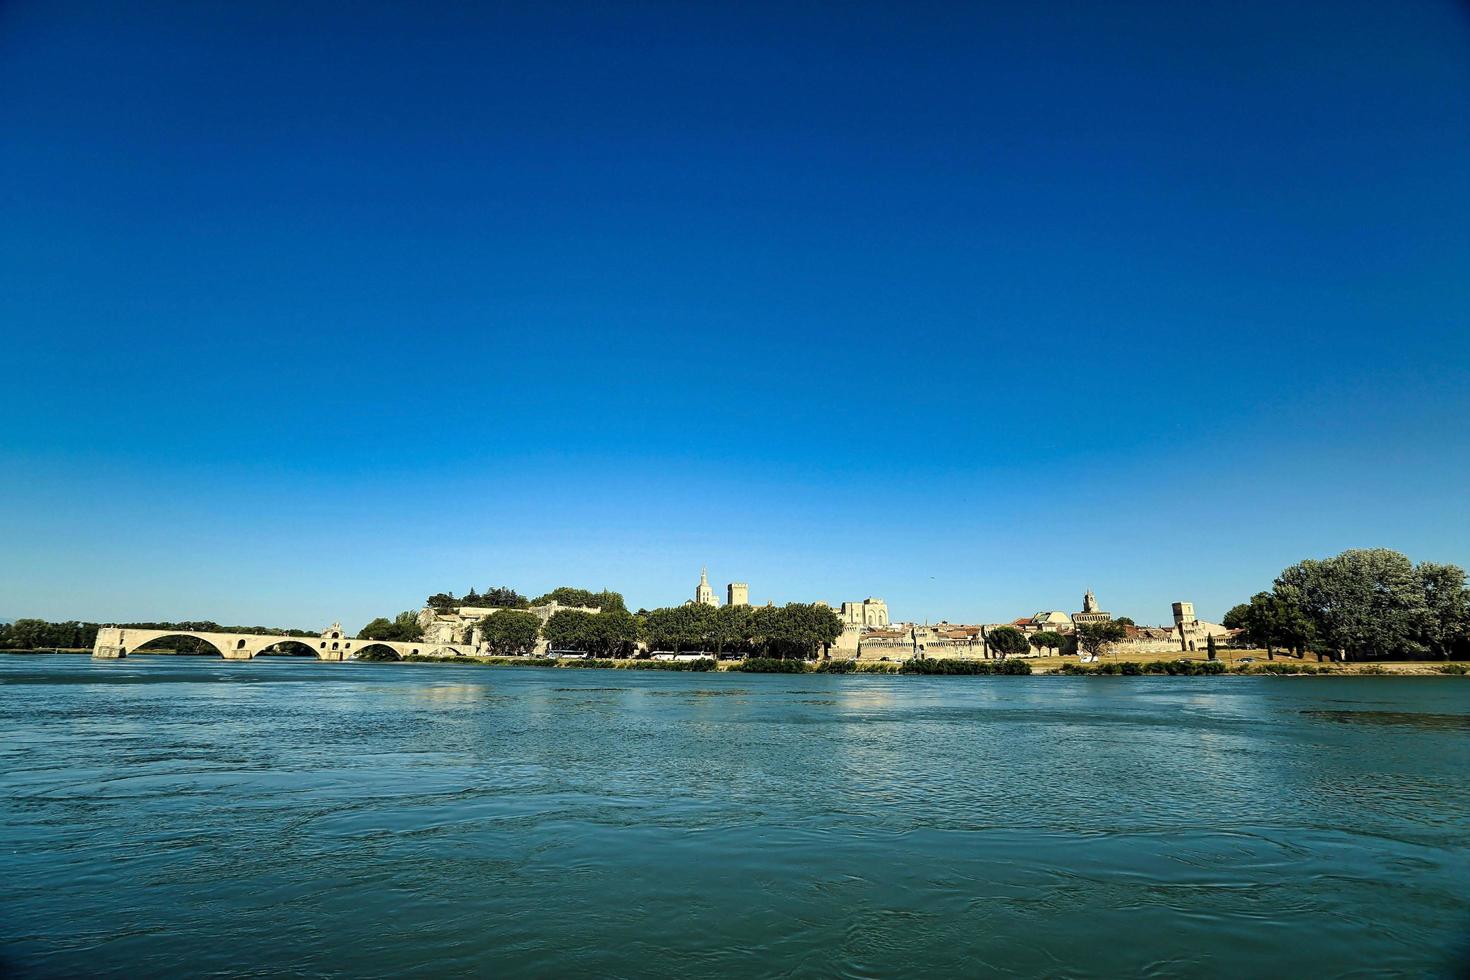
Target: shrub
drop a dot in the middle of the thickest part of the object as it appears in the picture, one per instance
(925, 665)
(770, 665)
(703, 663)
(1173, 668)
(1372, 669)
(1456, 669)
(836, 667)
(966, 667)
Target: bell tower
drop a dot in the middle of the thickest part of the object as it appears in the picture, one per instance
(703, 594)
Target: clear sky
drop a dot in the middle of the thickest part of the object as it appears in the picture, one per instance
(309, 310)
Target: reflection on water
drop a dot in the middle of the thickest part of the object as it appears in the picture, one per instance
(169, 815)
(1415, 719)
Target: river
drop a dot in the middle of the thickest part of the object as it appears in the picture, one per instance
(167, 815)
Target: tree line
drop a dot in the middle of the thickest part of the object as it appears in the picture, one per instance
(796, 630)
(1368, 604)
(39, 634)
(504, 597)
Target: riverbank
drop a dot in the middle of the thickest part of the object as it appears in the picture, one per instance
(1188, 666)
(1058, 666)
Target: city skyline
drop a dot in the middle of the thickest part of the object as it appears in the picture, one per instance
(310, 315)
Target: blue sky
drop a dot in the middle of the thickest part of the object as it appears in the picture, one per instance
(310, 310)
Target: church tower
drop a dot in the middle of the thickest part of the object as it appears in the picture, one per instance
(1090, 613)
(703, 594)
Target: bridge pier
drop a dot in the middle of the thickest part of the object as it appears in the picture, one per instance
(237, 654)
(103, 652)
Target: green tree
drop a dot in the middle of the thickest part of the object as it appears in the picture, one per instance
(1276, 619)
(403, 628)
(510, 632)
(504, 597)
(609, 634)
(565, 595)
(733, 627)
(1235, 619)
(1092, 637)
(1364, 604)
(406, 624)
(801, 629)
(1446, 628)
(29, 634)
(616, 632)
(442, 601)
(376, 629)
(1007, 641)
(1125, 621)
(1047, 640)
(568, 629)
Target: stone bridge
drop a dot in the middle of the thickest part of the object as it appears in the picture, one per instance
(114, 642)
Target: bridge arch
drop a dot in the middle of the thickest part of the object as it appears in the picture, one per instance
(276, 648)
(153, 641)
(374, 650)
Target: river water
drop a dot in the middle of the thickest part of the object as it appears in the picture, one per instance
(166, 815)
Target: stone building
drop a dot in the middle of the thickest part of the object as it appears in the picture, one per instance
(460, 624)
(1054, 621)
(1191, 633)
(871, 613)
(1090, 613)
(703, 594)
(737, 594)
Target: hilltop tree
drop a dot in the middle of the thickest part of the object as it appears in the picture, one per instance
(565, 595)
(1125, 621)
(504, 597)
(1007, 641)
